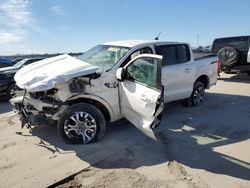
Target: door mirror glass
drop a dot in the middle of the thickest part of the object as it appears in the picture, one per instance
(120, 74)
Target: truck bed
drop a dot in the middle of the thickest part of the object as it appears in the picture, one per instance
(201, 56)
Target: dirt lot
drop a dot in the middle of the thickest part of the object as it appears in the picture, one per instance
(205, 146)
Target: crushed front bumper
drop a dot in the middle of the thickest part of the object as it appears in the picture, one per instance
(35, 112)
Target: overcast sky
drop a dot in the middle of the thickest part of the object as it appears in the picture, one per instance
(49, 26)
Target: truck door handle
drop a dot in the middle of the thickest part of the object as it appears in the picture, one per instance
(145, 99)
(187, 70)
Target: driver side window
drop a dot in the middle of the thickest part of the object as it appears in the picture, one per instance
(146, 50)
(143, 70)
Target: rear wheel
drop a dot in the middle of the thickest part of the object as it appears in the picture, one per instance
(81, 123)
(197, 95)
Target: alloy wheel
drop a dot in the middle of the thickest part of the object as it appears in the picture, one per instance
(81, 125)
(198, 95)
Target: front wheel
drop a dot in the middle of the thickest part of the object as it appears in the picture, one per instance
(81, 123)
(197, 95)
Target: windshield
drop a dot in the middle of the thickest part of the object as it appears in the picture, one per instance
(19, 63)
(104, 56)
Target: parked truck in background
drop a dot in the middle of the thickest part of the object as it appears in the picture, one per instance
(111, 81)
(233, 53)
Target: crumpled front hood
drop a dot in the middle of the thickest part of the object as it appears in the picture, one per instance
(45, 74)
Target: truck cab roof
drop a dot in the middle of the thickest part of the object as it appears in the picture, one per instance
(134, 43)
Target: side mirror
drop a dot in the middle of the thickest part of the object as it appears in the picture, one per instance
(120, 74)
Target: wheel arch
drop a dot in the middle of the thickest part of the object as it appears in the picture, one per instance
(101, 104)
(204, 79)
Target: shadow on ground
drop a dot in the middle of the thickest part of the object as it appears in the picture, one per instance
(186, 135)
(240, 78)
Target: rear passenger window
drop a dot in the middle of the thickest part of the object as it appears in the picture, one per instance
(173, 54)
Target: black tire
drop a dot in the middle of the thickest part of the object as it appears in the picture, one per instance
(10, 90)
(197, 95)
(229, 56)
(94, 119)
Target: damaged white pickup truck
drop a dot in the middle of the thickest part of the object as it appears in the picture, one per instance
(108, 82)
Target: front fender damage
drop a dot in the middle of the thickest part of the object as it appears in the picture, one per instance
(45, 107)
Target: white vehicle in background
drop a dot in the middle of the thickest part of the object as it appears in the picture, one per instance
(111, 81)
